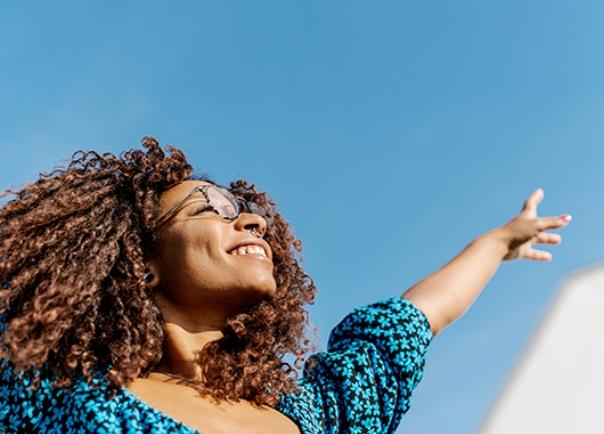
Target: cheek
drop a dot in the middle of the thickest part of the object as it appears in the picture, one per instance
(188, 256)
(195, 267)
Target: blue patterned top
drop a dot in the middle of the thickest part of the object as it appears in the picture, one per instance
(361, 384)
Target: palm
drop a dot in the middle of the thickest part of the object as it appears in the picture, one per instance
(526, 230)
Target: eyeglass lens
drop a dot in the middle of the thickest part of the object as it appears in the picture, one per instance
(223, 201)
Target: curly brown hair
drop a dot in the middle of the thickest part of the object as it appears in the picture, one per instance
(73, 248)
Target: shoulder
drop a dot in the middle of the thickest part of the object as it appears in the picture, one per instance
(95, 406)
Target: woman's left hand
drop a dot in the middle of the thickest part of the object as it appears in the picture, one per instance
(527, 229)
(446, 294)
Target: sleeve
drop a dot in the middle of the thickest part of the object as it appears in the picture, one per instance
(363, 382)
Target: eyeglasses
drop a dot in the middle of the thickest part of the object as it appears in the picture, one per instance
(217, 199)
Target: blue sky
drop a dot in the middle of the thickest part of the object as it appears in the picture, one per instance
(389, 133)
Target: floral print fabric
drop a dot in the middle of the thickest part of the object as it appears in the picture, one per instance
(361, 384)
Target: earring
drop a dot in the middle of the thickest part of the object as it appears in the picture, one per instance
(149, 277)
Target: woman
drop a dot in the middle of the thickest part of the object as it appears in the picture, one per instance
(138, 298)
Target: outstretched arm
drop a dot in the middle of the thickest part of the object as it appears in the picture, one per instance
(446, 294)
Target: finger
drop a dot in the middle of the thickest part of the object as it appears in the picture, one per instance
(545, 223)
(546, 238)
(538, 255)
(530, 205)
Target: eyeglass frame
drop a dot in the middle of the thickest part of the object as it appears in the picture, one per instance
(242, 205)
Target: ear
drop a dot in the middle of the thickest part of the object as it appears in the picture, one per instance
(151, 276)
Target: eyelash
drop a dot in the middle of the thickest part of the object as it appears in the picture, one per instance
(204, 209)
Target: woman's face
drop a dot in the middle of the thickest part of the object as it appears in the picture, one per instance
(205, 261)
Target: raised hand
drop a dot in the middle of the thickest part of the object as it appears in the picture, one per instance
(447, 293)
(527, 229)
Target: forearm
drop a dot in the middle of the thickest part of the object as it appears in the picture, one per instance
(446, 294)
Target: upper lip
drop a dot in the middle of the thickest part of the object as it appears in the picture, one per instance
(252, 241)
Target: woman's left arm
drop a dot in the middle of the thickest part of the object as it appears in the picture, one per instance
(446, 294)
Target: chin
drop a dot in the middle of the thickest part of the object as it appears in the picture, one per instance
(258, 280)
(268, 289)
(259, 290)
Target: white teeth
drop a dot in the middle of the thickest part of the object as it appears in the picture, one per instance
(250, 249)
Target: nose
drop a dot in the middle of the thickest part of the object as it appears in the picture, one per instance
(252, 223)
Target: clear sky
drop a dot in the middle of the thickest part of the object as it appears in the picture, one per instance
(389, 133)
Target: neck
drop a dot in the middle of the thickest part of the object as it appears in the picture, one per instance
(187, 333)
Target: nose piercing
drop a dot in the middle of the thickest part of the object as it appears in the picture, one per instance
(255, 232)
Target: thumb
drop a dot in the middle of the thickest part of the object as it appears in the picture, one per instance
(533, 201)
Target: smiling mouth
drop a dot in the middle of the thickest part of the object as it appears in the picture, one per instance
(249, 249)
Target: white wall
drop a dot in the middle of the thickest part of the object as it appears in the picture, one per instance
(558, 387)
